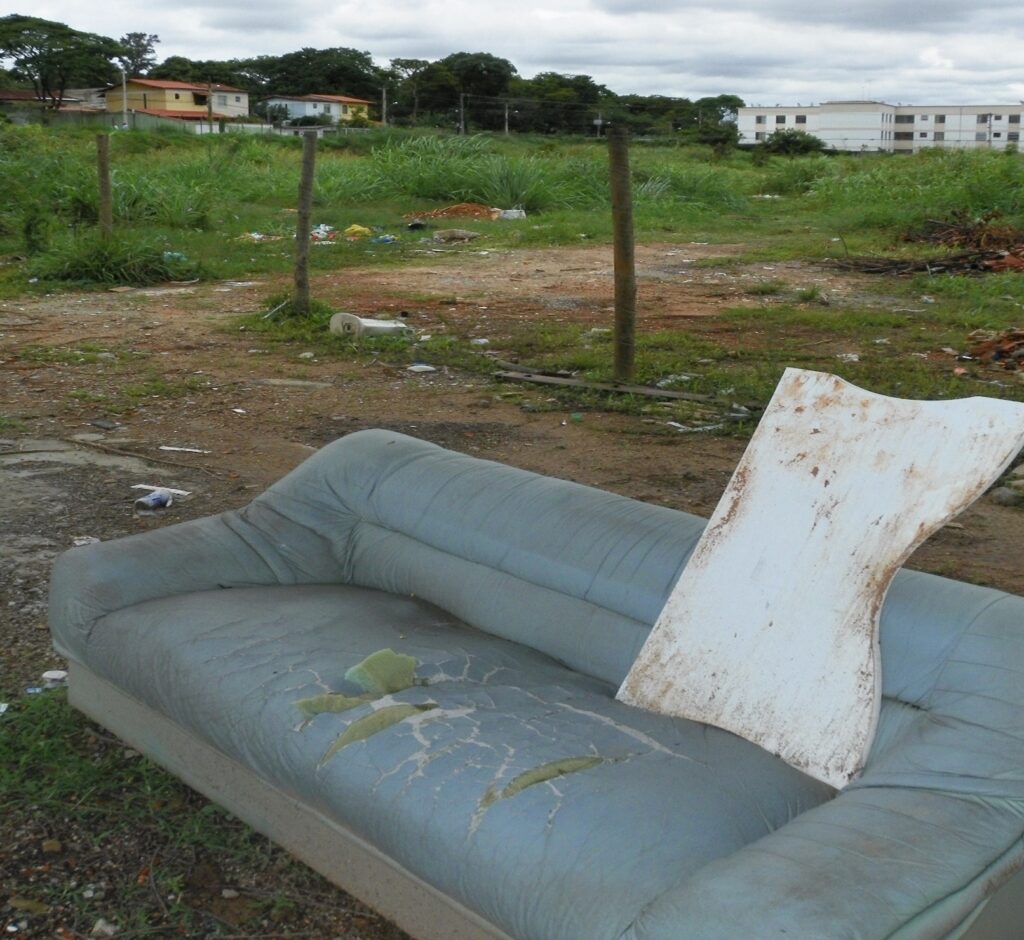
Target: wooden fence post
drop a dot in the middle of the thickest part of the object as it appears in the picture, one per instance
(106, 197)
(303, 223)
(625, 267)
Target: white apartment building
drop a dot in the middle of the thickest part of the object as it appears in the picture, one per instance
(871, 126)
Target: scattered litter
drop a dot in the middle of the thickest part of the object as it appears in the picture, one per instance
(417, 225)
(103, 928)
(670, 380)
(307, 355)
(54, 678)
(509, 214)
(766, 196)
(229, 893)
(183, 450)
(926, 299)
(181, 494)
(258, 237)
(384, 239)
(159, 498)
(349, 324)
(446, 235)
(848, 357)
(323, 233)
(104, 425)
(960, 371)
(3, 707)
(881, 342)
(480, 341)
(175, 256)
(34, 690)
(354, 232)
(79, 540)
(122, 289)
(420, 367)
(239, 411)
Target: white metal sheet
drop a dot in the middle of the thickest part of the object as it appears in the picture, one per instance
(772, 629)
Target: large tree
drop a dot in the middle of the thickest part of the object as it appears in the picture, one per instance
(139, 54)
(336, 71)
(406, 75)
(52, 56)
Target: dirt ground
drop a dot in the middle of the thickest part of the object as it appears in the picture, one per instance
(256, 409)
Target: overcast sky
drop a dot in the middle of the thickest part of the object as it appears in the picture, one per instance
(766, 51)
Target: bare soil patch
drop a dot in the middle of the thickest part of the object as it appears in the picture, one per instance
(174, 370)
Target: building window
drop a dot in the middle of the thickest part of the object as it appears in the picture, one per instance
(801, 119)
(222, 100)
(176, 96)
(780, 119)
(904, 119)
(1013, 136)
(759, 119)
(904, 135)
(997, 117)
(924, 117)
(327, 109)
(344, 109)
(998, 134)
(940, 135)
(1014, 119)
(984, 118)
(760, 135)
(238, 98)
(980, 135)
(923, 134)
(940, 119)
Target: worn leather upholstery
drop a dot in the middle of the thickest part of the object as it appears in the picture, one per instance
(514, 782)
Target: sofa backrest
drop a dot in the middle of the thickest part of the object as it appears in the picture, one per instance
(581, 575)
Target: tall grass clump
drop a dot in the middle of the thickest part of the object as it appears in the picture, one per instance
(903, 191)
(90, 259)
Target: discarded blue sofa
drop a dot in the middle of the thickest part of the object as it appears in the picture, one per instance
(400, 663)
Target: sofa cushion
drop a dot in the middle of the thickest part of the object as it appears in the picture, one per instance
(511, 783)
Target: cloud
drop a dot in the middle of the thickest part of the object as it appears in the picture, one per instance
(762, 50)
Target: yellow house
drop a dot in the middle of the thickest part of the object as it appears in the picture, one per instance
(186, 100)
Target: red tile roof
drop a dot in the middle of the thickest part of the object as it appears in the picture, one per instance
(186, 86)
(181, 115)
(344, 99)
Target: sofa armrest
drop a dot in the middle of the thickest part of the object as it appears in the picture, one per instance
(871, 864)
(253, 546)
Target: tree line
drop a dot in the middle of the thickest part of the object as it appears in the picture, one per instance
(464, 90)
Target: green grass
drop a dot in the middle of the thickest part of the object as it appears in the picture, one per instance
(135, 843)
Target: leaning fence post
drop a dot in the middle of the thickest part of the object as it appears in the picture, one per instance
(103, 171)
(625, 268)
(302, 231)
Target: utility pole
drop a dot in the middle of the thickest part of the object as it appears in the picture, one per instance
(506, 119)
(384, 105)
(462, 113)
(209, 104)
(124, 100)
(301, 304)
(625, 266)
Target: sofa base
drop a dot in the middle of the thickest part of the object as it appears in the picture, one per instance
(333, 851)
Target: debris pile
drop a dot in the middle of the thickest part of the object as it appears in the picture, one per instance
(1002, 349)
(461, 210)
(962, 231)
(965, 262)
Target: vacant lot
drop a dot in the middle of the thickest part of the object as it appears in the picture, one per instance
(96, 383)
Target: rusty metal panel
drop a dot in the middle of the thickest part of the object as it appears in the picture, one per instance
(772, 629)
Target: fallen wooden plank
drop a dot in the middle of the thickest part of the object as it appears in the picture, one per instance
(772, 629)
(618, 387)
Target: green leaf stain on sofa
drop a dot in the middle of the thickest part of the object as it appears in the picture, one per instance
(374, 723)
